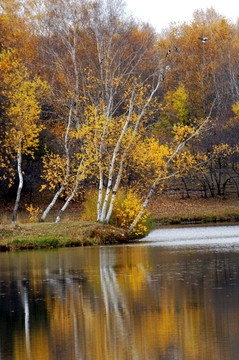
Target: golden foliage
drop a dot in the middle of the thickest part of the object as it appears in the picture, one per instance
(33, 211)
(182, 132)
(22, 110)
(176, 105)
(54, 172)
(126, 207)
(127, 210)
(235, 108)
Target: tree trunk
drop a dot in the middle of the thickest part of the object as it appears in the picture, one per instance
(99, 202)
(205, 190)
(58, 218)
(104, 216)
(20, 185)
(114, 192)
(111, 170)
(224, 185)
(236, 185)
(52, 203)
(186, 188)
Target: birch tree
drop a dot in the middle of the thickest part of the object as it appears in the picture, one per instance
(117, 79)
(55, 176)
(120, 93)
(23, 109)
(102, 64)
(183, 135)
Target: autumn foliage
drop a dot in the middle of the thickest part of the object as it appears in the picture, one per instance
(100, 101)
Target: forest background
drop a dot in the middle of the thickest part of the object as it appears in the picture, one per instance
(101, 113)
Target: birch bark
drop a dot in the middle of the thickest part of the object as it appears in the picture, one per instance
(105, 216)
(73, 192)
(20, 185)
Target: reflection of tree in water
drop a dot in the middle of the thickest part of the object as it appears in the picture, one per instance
(11, 315)
(118, 320)
(17, 302)
(64, 301)
(24, 311)
(180, 306)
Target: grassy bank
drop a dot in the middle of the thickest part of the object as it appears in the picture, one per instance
(165, 210)
(50, 235)
(169, 210)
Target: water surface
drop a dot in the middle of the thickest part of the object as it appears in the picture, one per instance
(173, 295)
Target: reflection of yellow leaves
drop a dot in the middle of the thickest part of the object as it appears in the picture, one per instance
(136, 277)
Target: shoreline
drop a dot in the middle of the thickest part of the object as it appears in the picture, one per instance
(50, 235)
(165, 211)
(232, 219)
(30, 236)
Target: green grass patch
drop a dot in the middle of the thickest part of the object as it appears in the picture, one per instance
(48, 236)
(6, 234)
(35, 243)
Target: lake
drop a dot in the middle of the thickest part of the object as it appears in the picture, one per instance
(173, 295)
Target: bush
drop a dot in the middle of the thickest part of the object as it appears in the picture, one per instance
(34, 213)
(126, 207)
(90, 205)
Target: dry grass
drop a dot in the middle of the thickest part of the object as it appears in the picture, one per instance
(173, 209)
(51, 235)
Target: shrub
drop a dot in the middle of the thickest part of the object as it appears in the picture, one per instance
(90, 205)
(126, 207)
(34, 212)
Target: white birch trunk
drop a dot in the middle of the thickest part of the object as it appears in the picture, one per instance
(52, 203)
(105, 217)
(139, 215)
(99, 202)
(20, 185)
(111, 171)
(73, 192)
(122, 68)
(58, 218)
(114, 192)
